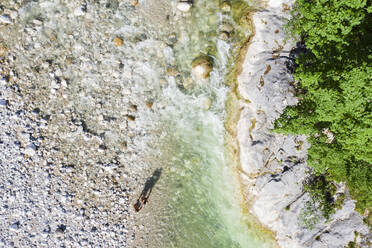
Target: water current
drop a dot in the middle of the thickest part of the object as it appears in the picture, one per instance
(197, 200)
(135, 64)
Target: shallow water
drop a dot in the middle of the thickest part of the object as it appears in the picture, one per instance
(197, 201)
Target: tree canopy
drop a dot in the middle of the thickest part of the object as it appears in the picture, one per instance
(335, 93)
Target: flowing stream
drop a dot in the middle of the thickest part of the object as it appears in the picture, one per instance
(197, 200)
(135, 93)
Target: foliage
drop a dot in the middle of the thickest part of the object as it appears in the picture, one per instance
(321, 201)
(309, 215)
(335, 91)
(321, 192)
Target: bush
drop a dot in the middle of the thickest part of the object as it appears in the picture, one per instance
(335, 91)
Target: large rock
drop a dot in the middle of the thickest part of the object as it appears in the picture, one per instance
(273, 166)
(202, 67)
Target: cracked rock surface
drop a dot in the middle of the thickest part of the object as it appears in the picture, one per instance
(273, 166)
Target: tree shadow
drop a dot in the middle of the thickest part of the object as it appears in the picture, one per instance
(147, 189)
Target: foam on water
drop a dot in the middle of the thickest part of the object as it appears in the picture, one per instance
(197, 201)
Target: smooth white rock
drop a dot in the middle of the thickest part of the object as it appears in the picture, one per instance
(265, 155)
(5, 19)
(80, 11)
(184, 6)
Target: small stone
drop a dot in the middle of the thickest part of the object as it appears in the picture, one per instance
(3, 102)
(133, 108)
(69, 60)
(37, 22)
(225, 27)
(61, 228)
(15, 225)
(13, 14)
(118, 41)
(172, 39)
(80, 11)
(225, 6)
(149, 104)
(163, 82)
(30, 150)
(36, 111)
(123, 145)
(5, 19)
(201, 68)
(134, 3)
(3, 50)
(172, 71)
(184, 6)
(224, 35)
(187, 83)
(207, 103)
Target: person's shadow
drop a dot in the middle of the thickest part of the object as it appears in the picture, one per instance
(149, 185)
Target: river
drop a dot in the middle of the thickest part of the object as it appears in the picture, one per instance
(197, 201)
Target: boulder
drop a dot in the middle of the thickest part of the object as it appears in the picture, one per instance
(202, 67)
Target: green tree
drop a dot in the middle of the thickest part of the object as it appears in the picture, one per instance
(335, 91)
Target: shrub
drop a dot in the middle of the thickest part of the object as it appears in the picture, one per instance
(334, 88)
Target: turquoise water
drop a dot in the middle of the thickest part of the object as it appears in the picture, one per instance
(197, 201)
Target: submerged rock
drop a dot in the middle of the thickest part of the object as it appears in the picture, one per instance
(202, 67)
(172, 39)
(226, 27)
(207, 103)
(134, 3)
(118, 41)
(225, 6)
(224, 35)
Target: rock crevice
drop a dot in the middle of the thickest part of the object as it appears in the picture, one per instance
(273, 167)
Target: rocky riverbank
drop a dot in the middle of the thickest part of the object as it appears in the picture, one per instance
(272, 166)
(95, 96)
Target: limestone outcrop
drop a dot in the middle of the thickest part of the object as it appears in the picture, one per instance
(273, 166)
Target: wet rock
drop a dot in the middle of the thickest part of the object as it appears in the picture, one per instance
(172, 39)
(224, 35)
(202, 67)
(207, 102)
(134, 3)
(187, 83)
(226, 7)
(184, 6)
(172, 71)
(226, 27)
(163, 82)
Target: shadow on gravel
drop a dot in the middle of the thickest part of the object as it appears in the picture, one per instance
(149, 185)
